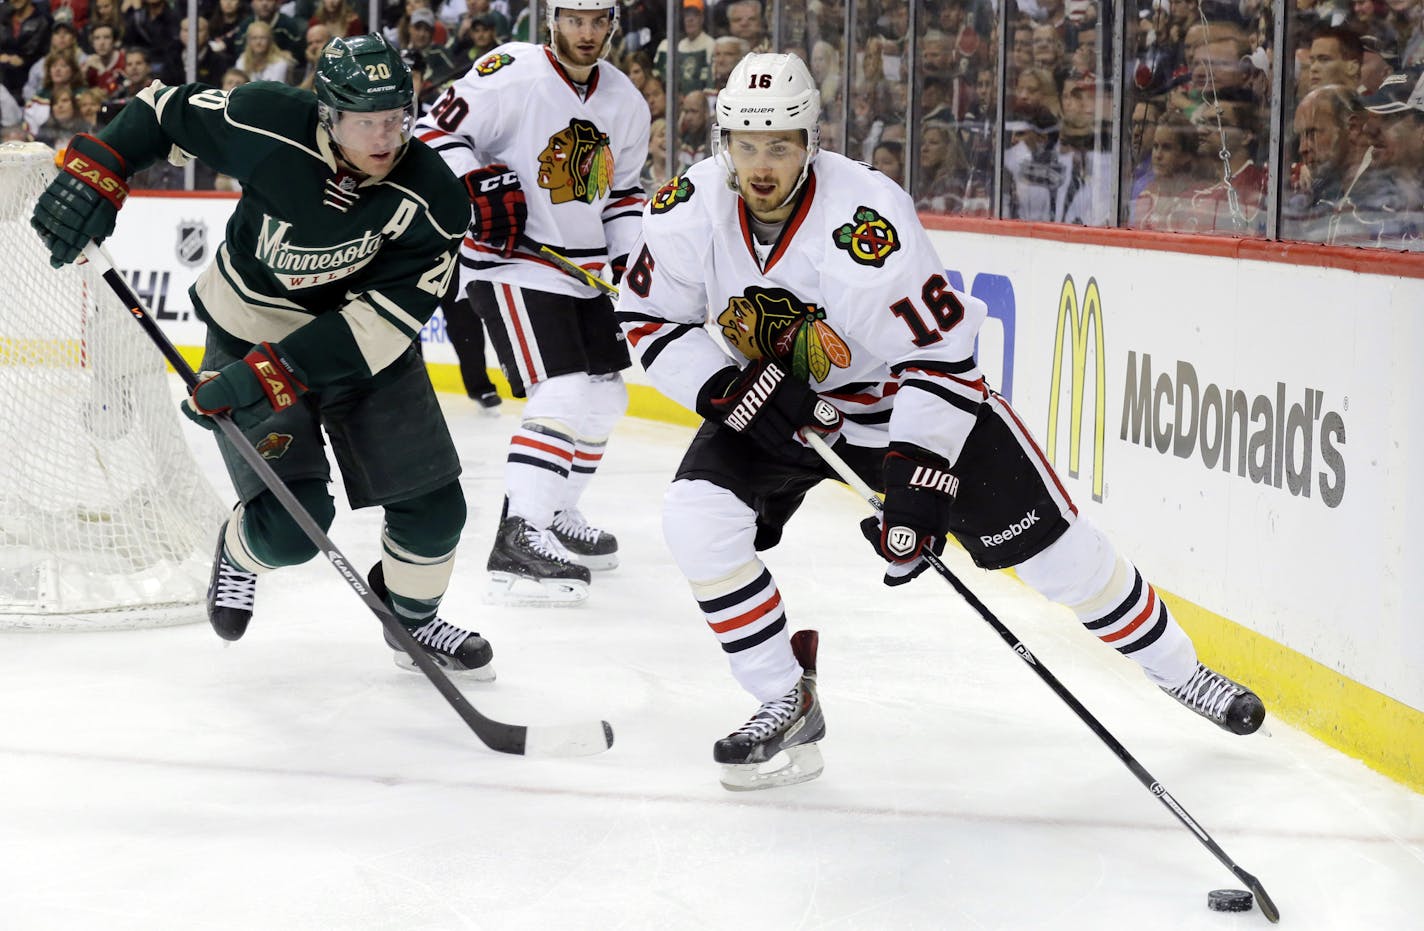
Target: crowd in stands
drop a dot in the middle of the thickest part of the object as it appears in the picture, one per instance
(1197, 93)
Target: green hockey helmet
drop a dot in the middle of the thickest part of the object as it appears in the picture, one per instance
(362, 74)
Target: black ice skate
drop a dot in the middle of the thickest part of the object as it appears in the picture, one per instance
(489, 402)
(454, 648)
(1228, 705)
(777, 747)
(527, 567)
(232, 591)
(592, 548)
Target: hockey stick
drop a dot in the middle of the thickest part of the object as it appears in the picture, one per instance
(1268, 908)
(569, 267)
(567, 740)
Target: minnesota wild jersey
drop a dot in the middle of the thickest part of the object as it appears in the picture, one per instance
(578, 152)
(308, 238)
(851, 298)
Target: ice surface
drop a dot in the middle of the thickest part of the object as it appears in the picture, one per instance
(165, 779)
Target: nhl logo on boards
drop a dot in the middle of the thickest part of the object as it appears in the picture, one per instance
(869, 240)
(668, 196)
(192, 247)
(492, 63)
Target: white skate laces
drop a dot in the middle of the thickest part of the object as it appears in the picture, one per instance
(237, 588)
(572, 523)
(772, 716)
(440, 635)
(1227, 704)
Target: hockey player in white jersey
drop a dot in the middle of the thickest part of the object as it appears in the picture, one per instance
(550, 141)
(835, 306)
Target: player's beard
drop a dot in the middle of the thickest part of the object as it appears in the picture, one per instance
(767, 206)
(570, 54)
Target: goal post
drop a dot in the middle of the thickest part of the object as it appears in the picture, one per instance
(105, 520)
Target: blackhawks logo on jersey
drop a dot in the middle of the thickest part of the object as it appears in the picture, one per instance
(676, 191)
(492, 63)
(773, 323)
(870, 239)
(577, 164)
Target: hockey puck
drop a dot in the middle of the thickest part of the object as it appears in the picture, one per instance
(1228, 900)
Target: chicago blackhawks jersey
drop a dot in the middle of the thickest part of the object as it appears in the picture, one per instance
(851, 298)
(307, 239)
(578, 153)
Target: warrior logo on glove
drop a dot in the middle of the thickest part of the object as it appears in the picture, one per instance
(902, 541)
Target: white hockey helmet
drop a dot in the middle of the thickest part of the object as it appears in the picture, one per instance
(768, 93)
(551, 13)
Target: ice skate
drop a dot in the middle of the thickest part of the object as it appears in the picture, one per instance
(528, 567)
(454, 648)
(232, 591)
(488, 402)
(592, 548)
(777, 747)
(1227, 704)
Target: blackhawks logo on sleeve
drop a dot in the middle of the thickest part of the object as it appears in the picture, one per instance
(577, 164)
(676, 191)
(492, 63)
(870, 239)
(773, 323)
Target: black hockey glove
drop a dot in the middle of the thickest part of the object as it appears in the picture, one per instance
(83, 200)
(499, 208)
(919, 494)
(251, 389)
(763, 402)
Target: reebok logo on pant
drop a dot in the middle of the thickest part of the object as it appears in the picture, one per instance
(1012, 530)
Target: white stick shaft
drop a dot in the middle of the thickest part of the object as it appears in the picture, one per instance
(843, 469)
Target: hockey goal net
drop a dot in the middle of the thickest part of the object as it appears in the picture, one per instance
(105, 520)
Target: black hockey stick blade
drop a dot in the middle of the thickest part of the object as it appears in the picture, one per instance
(569, 740)
(569, 267)
(843, 469)
(1263, 900)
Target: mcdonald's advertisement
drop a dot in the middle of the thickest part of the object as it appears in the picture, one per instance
(1248, 452)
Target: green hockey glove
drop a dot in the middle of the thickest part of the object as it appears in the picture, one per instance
(265, 382)
(83, 200)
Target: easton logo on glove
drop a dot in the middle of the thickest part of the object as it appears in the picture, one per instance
(755, 397)
(101, 179)
(276, 384)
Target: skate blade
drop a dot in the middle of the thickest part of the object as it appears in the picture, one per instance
(483, 674)
(789, 767)
(597, 563)
(517, 591)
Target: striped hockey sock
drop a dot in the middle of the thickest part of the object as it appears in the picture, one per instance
(536, 471)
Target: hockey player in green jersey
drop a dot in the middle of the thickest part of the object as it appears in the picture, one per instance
(336, 255)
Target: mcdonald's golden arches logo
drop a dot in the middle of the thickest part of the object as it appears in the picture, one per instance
(1077, 323)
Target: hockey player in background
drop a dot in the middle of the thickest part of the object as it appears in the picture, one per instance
(343, 241)
(831, 296)
(550, 142)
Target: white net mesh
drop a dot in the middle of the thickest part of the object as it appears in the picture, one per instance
(105, 521)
